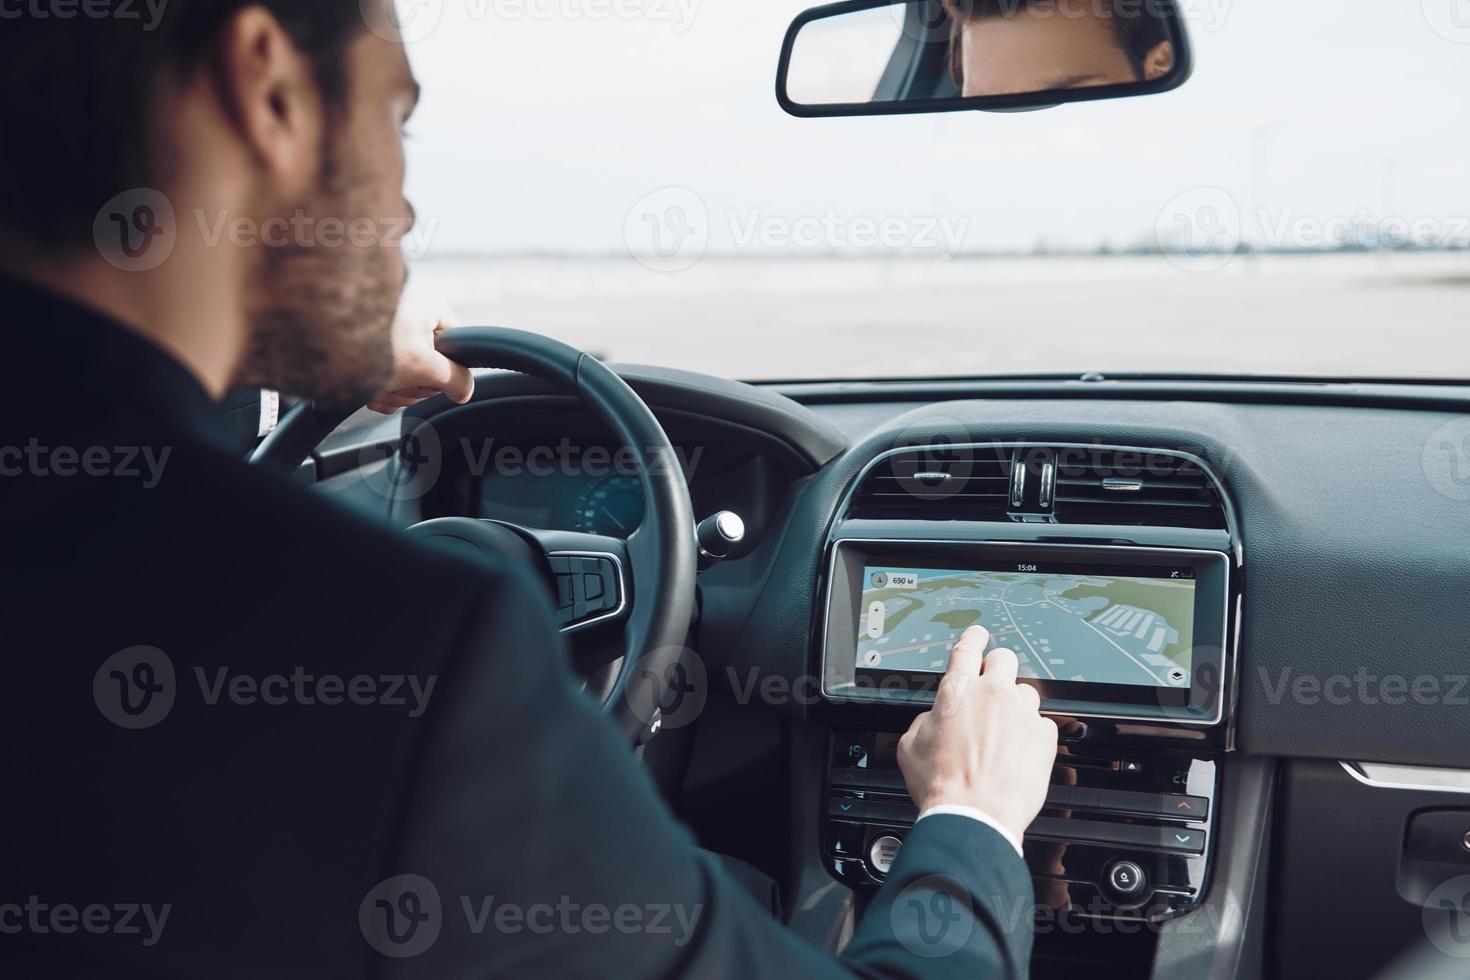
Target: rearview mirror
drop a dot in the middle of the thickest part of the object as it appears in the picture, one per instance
(878, 57)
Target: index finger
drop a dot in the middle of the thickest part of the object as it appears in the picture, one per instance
(968, 653)
(450, 377)
(1001, 666)
(454, 379)
(458, 383)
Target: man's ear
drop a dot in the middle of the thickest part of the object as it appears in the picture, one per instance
(1159, 61)
(272, 97)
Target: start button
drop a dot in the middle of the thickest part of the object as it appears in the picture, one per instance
(882, 853)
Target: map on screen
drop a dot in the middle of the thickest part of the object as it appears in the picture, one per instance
(1103, 629)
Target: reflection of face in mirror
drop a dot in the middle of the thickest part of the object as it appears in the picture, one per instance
(1006, 47)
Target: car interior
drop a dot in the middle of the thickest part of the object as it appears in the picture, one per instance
(1242, 598)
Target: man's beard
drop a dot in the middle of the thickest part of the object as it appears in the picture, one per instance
(321, 316)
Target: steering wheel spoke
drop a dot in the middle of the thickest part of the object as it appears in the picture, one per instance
(590, 576)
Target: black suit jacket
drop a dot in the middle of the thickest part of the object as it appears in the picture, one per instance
(247, 734)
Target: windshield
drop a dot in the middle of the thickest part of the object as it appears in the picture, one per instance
(617, 174)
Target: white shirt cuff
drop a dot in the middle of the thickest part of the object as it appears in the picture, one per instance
(974, 814)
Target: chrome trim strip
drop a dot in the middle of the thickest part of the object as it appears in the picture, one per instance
(1226, 649)
(1424, 779)
(622, 587)
(1234, 672)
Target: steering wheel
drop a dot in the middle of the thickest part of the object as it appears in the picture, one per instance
(645, 583)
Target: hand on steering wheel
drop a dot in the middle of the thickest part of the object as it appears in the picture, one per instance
(656, 564)
(420, 370)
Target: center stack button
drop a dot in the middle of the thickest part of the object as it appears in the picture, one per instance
(1126, 879)
(882, 853)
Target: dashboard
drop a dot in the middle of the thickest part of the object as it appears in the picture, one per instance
(1195, 573)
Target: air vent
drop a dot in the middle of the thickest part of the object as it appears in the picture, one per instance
(1096, 486)
(1064, 485)
(938, 483)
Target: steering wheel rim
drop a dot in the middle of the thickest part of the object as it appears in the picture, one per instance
(661, 554)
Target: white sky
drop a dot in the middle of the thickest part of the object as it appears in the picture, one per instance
(545, 121)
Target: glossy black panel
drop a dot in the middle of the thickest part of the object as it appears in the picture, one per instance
(1114, 804)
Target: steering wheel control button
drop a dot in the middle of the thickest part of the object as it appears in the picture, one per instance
(587, 588)
(1126, 879)
(882, 852)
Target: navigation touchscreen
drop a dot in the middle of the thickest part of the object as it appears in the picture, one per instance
(1100, 630)
(1122, 628)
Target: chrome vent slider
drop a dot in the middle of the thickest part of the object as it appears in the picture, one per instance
(1018, 487)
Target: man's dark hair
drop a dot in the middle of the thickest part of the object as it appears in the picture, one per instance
(76, 126)
(1140, 26)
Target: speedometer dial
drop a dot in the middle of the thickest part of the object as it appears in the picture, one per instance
(613, 505)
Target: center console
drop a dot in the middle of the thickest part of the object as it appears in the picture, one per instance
(1125, 832)
(1127, 634)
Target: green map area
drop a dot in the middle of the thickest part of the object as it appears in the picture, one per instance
(1101, 629)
